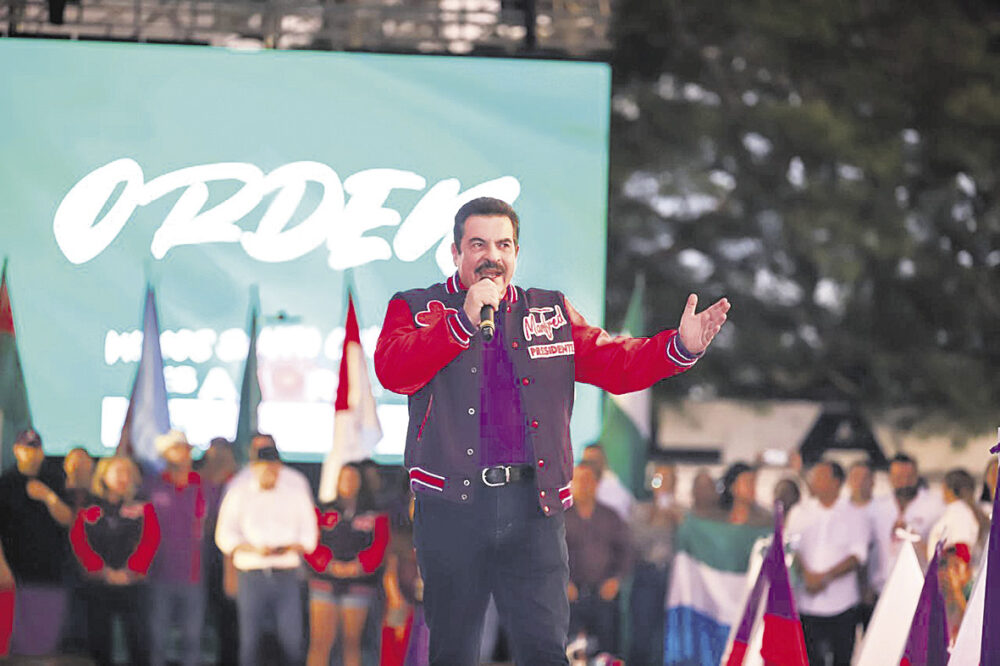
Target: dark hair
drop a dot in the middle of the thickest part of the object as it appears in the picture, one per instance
(484, 206)
(364, 501)
(787, 492)
(905, 459)
(727, 481)
(79, 448)
(960, 482)
(835, 469)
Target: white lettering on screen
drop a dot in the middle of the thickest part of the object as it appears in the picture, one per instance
(345, 213)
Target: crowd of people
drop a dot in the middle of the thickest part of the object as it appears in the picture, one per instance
(249, 556)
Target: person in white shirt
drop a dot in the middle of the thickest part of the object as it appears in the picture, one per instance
(859, 489)
(610, 490)
(910, 509)
(831, 540)
(959, 523)
(266, 524)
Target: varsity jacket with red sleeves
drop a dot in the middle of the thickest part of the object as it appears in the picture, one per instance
(429, 351)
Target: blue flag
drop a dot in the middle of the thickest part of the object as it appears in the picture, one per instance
(147, 415)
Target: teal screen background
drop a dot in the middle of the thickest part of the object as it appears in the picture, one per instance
(298, 172)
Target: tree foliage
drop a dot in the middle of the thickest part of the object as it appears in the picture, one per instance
(832, 167)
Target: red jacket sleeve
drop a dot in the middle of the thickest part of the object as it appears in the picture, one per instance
(87, 556)
(408, 356)
(320, 558)
(372, 556)
(142, 558)
(623, 364)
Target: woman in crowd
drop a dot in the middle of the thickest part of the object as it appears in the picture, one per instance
(115, 539)
(344, 581)
(739, 497)
(405, 639)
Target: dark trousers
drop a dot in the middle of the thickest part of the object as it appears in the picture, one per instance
(649, 596)
(271, 598)
(596, 617)
(128, 604)
(499, 544)
(829, 638)
(180, 605)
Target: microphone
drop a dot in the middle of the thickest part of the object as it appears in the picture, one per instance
(487, 327)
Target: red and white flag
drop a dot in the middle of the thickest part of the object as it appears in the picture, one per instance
(356, 429)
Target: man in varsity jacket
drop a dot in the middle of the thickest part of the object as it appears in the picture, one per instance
(488, 443)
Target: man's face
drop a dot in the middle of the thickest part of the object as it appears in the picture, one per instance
(823, 483)
(260, 441)
(584, 484)
(861, 481)
(178, 455)
(488, 250)
(78, 466)
(29, 459)
(595, 456)
(902, 475)
(266, 473)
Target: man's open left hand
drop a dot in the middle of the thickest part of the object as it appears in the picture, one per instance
(698, 330)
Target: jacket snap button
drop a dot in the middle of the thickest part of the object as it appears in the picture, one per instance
(546, 509)
(466, 482)
(514, 344)
(541, 462)
(474, 370)
(508, 308)
(465, 497)
(541, 494)
(534, 424)
(469, 452)
(472, 410)
(526, 381)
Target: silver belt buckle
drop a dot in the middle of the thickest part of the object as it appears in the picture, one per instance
(506, 470)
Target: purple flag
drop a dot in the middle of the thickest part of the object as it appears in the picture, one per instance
(927, 644)
(784, 643)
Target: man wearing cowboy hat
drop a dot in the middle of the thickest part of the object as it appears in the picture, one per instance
(177, 592)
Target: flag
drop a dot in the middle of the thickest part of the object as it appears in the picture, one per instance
(990, 649)
(748, 622)
(250, 396)
(147, 416)
(626, 427)
(15, 414)
(707, 589)
(784, 643)
(356, 429)
(927, 643)
(890, 624)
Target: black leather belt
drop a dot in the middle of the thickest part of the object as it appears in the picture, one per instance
(501, 475)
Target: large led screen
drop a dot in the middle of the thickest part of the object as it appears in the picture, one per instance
(208, 172)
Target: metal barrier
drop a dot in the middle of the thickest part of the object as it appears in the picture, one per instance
(570, 28)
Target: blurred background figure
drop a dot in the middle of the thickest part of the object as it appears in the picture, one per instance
(33, 520)
(405, 638)
(653, 525)
(705, 501)
(177, 591)
(218, 466)
(910, 508)
(959, 528)
(787, 492)
(833, 539)
(989, 488)
(115, 539)
(266, 522)
(859, 491)
(78, 466)
(738, 497)
(611, 492)
(343, 581)
(599, 548)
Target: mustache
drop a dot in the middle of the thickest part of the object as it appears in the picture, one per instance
(490, 266)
